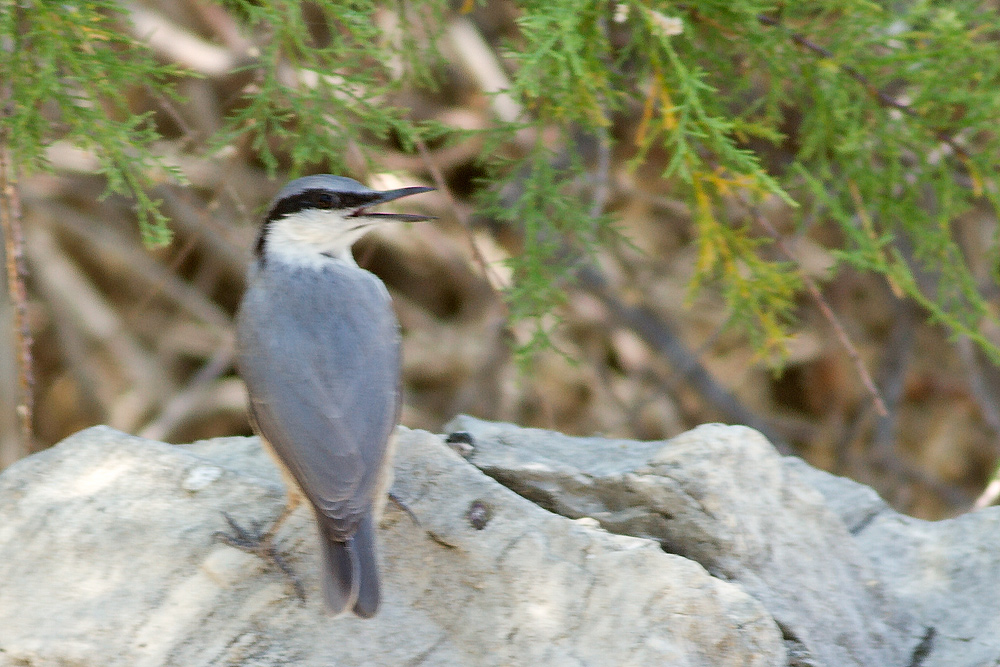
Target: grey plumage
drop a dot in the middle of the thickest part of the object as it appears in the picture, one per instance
(318, 346)
(322, 367)
(323, 181)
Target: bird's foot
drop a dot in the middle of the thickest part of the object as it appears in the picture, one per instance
(398, 502)
(260, 543)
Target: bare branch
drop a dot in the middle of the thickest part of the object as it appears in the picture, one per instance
(880, 96)
(10, 225)
(824, 308)
(460, 214)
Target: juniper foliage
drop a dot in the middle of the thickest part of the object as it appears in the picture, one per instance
(876, 118)
(65, 72)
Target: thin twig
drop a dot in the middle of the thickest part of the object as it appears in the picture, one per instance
(94, 391)
(476, 57)
(892, 376)
(460, 214)
(72, 295)
(178, 45)
(985, 396)
(602, 187)
(177, 410)
(10, 223)
(883, 98)
(909, 473)
(223, 24)
(129, 261)
(661, 337)
(194, 221)
(824, 308)
(983, 392)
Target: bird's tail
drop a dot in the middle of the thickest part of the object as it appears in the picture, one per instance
(350, 569)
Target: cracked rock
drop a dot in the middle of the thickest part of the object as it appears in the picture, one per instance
(848, 580)
(107, 558)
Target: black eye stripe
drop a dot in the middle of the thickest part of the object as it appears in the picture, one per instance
(325, 200)
(309, 199)
(318, 198)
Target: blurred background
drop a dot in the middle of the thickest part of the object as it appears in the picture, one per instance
(142, 339)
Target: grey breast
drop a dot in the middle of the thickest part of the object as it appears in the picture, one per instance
(319, 351)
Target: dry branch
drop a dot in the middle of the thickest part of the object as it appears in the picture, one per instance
(10, 225)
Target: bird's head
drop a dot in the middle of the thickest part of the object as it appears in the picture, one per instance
(318, 218)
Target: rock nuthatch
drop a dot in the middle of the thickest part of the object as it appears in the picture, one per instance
(318, 346)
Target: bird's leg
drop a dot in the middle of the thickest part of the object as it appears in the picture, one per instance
(252, 540)
(398, 502)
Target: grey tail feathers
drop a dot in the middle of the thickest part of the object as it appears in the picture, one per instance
(350, 570)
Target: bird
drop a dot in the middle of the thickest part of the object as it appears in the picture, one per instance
(318, 347)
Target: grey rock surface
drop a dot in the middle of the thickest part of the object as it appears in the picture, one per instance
(849, 581)
(107, 558)
(947, 573)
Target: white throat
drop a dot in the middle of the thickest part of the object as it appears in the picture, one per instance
(313, 237)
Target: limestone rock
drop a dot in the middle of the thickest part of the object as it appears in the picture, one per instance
(107, 558)
(947, 573)
(849, 581)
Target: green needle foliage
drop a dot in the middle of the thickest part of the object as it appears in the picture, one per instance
(322, 82)
(879, 117)
(876, 119)
(65, 71)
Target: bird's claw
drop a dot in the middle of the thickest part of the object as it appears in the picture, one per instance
(401, 505)
(260, 543)
(251, 540)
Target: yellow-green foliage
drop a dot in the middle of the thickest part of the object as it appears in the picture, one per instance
(877, 118)
(65, 68)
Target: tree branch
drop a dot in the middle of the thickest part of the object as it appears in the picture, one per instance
(10, 224)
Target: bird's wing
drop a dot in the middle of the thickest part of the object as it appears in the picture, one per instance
(320, 357)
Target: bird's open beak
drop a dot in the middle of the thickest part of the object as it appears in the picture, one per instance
(390, 195)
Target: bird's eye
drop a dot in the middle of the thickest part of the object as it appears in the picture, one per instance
(324, 200)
